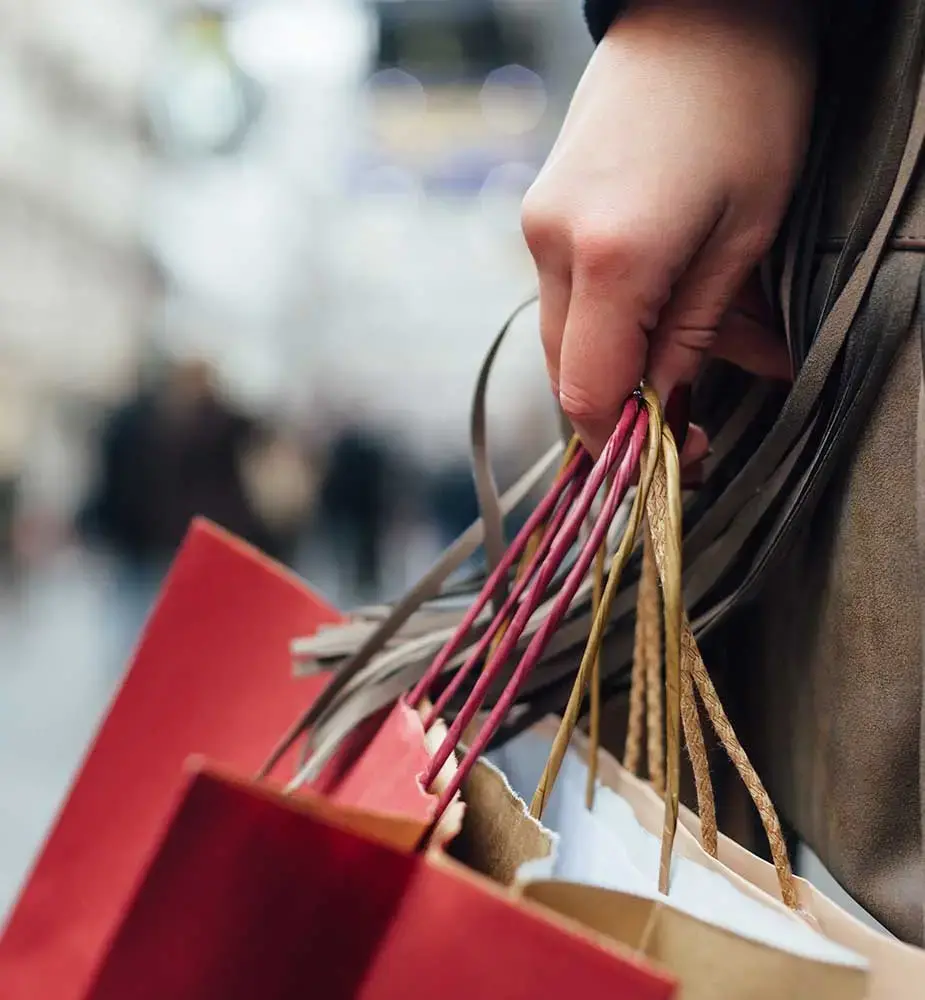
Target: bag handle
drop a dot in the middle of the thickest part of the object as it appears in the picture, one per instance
(684, 670)
(555, 505)
(487, 532)
(486, 489)
(658, 494)
(717, 534)
(621, 455)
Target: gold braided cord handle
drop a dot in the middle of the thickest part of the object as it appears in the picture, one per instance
(645, 692)
(663, 507)
(723, 727)
(697, 750)
(645, 705)
(594, 708)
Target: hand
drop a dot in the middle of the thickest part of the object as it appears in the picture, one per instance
(665, 188)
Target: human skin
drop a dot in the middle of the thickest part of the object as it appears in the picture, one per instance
(665, 188)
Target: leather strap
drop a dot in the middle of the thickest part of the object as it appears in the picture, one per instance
(428, 587)
(485, 486)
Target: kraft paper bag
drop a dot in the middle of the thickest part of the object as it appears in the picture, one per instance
(709, 962)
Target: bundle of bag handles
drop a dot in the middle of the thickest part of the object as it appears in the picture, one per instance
(642, 444)
(641, 440)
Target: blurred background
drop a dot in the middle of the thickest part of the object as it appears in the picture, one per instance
(252, 253)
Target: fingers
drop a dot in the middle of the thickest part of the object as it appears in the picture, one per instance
(689, 327)
(548, 243)
(591, 290)
(603, 353)
(696, 446)
(555, 296)
(634, 297)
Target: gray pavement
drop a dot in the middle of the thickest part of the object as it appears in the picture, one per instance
(65, 632)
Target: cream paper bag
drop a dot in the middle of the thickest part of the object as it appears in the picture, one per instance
(719, 934)
(896, 969)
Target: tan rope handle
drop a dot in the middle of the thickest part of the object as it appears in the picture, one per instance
(663, 508)
(697, 754)
(694, 674)
(645, 702)
(645, 693)
(648, 609)
(724, 730)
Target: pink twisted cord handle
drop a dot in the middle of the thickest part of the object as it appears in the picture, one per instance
(563, 485)
(622, 453)
(481, 648)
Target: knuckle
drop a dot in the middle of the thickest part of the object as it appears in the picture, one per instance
(754, 241)
(543, 227)
(697, 339)
(608, 251)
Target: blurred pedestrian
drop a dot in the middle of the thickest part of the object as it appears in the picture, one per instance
(176, 450)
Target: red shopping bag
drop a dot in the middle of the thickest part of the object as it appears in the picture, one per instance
(252, 895)
(211, 675)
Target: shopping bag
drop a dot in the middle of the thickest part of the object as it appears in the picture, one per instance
(804, 964)
(251, 894)
(211, 675)
(719, 934)
(896, 971)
